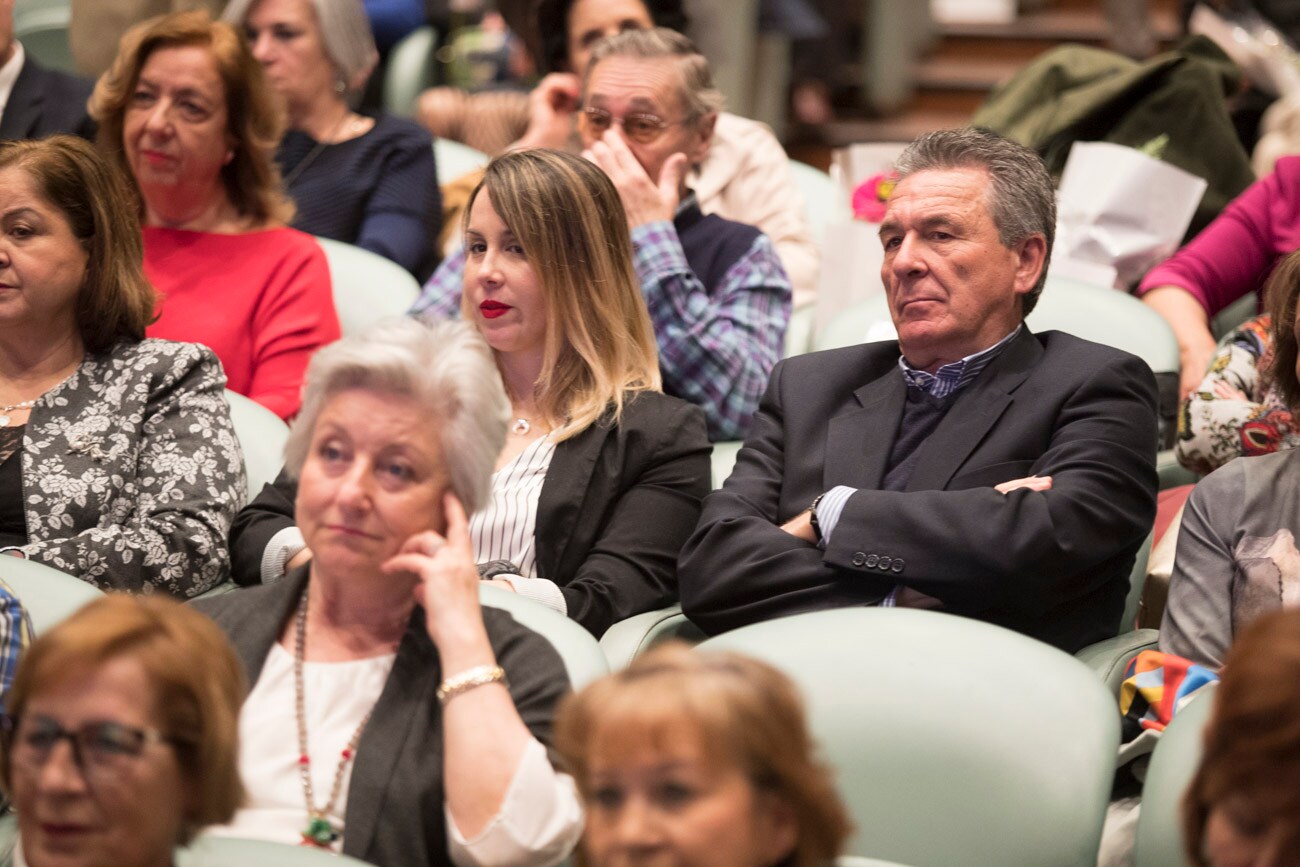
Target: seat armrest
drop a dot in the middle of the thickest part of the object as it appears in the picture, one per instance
(1109, 658)
(1171, 473)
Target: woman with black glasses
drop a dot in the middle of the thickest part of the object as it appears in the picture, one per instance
(121, 738)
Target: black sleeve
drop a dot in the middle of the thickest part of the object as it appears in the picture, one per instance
(256, 523)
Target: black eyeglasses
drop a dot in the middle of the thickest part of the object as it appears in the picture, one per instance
(96, 746)
(639, 127)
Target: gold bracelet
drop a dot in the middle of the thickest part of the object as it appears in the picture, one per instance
(479, 675)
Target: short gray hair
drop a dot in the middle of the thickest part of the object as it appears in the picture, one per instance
(1021, 195)
(697, 93)
(345, 31)
(445, 367)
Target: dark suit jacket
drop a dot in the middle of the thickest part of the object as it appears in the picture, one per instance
(395, 802)
(616, 507)
(1053, 565)
(44, 102)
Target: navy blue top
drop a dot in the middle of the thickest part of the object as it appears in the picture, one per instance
(378, 191)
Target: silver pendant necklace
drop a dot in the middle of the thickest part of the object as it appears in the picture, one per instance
(6, 418)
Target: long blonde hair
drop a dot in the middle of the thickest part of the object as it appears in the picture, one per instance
(599, 341)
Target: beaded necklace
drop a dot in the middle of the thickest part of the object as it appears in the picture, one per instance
(320, 832)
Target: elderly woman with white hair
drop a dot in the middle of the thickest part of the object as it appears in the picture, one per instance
(360, 179)
(390, 716)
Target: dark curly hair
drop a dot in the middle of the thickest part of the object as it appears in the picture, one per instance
(552, 28)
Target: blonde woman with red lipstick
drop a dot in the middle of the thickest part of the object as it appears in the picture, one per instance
(186, 114)
(602, 476)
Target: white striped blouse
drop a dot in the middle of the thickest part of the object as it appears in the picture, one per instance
(505, 528)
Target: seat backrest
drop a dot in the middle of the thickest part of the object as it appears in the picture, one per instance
(1094, 313)
(798, 334)
(823, 200)
(633, 636)
(1177, 756)
(262, 435)
(214, 851)
(583, 659)
(955, 743)
(1137, 580)
(47, 594)
(455, 159)
(411, 68)
(42, 27)
(367, 287)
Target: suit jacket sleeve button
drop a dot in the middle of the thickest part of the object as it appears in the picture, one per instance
(897, 566)
(884, 563)
(859, 558)
(872, 560)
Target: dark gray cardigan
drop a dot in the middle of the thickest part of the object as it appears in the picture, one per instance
(395, 802)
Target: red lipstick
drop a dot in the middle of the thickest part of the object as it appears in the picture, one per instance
(492, 309)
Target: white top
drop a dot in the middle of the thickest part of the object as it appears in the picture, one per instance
(540, 818)
(506, 528)
(9, 75)
(338, 696)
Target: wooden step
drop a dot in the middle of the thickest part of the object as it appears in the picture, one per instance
(1054, 25)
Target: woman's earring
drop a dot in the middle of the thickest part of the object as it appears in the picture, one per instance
(340, 86)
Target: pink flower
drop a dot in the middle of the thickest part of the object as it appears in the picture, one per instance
(871, 196)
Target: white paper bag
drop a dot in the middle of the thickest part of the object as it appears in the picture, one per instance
(1118, 207)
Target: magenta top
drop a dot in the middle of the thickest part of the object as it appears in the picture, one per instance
(1235, 254)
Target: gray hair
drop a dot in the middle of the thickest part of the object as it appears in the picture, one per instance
(1021, 196)
(345, 32)
(445, 367)
(697, 91)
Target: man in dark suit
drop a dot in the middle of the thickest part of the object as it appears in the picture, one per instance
(35, 101)
(971, 466)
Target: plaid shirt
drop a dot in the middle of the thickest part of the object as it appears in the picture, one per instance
(717, 344)
(15, 635)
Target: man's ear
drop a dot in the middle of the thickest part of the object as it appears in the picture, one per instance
(701, 139)
(1031, 256)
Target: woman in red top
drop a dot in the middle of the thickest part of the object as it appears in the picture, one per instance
(186, 113)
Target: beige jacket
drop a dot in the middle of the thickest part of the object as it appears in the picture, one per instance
(746, 177)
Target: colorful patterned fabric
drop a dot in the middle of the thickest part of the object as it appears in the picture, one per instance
(1214, 428)
(1156, 686)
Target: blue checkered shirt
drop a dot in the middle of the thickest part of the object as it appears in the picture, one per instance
(15, 635)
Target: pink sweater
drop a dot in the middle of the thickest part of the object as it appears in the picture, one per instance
(1235, 254)
(262, 301)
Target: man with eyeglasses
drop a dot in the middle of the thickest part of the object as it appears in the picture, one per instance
(717, 293)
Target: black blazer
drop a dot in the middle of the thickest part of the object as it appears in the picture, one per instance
(44, 102)
(1052, 565)
(617, 505)
(395, 801)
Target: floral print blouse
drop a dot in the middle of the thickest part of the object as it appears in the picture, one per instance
(132, 473)
(1236, 410)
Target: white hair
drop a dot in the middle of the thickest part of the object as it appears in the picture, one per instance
(445, 368)
(345, 32)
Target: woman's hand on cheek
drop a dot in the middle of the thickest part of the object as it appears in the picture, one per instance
(448, 580)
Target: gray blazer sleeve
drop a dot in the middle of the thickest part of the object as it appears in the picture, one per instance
(1197, 621)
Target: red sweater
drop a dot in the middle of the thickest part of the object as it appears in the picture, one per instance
(262, 301)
